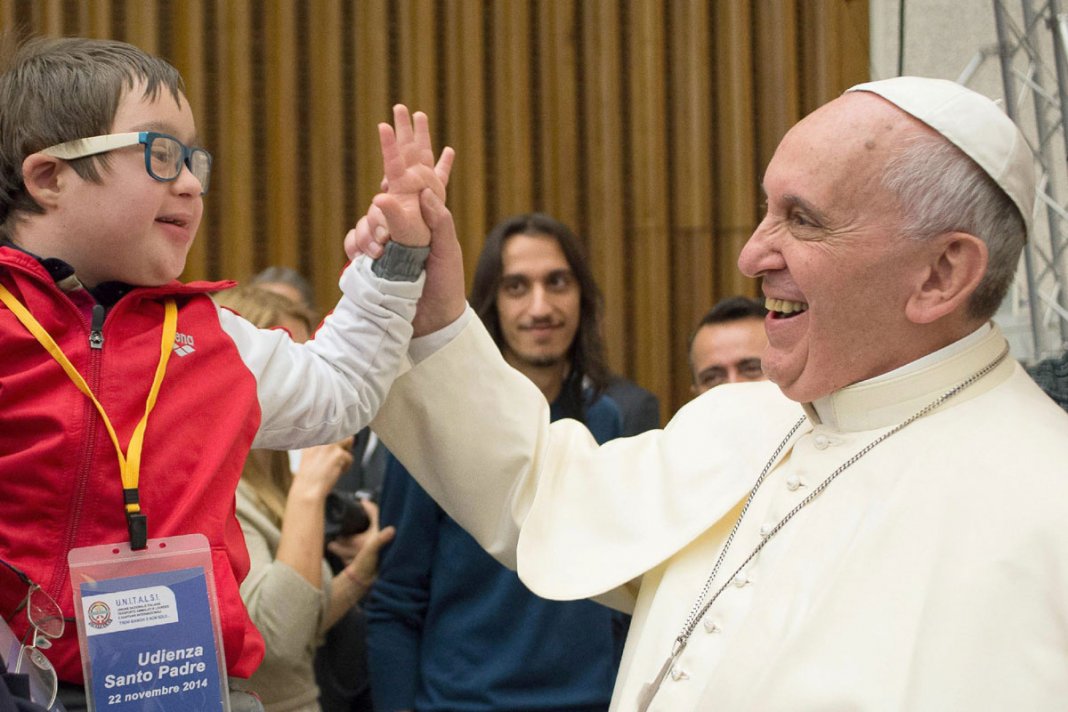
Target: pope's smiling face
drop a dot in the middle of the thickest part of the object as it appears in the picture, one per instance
(836, 271)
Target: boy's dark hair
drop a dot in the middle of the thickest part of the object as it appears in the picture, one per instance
(587, 357)
(60, 89)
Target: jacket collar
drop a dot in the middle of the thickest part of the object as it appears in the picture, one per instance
(107, 293)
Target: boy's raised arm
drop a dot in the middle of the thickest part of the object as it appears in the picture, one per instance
(411, 211)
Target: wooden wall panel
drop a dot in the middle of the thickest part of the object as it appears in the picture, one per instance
(373, 96)
(418, 39)
(556, 112)
(737, 176)
(464, 53)
(51, 12)
(692, 180)
(327, 131)
(648, 187)
(230, 202)
(603, 185)
(188, 54)
(279, 144)
(643, 124)
(837, 35)
(778, 99)
(142, 25)
(98, 17)
(511, 150)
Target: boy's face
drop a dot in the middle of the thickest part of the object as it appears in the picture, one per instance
(131, 227)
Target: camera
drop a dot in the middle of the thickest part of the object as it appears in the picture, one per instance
(345, 514)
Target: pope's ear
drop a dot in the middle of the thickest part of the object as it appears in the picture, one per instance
(42, 176)
(955, 266)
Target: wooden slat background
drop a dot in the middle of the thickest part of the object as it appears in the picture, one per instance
(643, 124)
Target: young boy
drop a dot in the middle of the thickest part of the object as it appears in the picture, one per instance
(101, 194)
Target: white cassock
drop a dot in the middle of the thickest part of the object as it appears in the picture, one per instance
(932, 574)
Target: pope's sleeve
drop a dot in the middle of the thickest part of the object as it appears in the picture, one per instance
(577, 519)
(469, 447)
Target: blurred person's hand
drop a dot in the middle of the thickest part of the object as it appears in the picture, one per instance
(362, 565)
(346, 547)
(320, 467)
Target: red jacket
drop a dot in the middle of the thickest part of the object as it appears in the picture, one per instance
(227, 385)
(58, 467)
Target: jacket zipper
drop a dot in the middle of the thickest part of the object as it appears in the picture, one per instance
(61, 571)
(92, 419)
(96, 330)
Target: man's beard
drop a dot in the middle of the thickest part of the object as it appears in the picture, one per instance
(541, 360)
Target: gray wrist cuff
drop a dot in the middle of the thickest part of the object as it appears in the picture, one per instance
(400, 263)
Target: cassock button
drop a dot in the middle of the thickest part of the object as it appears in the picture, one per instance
(677, 673)
(711, 626)
(793, 482)
(765, 529)
(822, 442)
(740, 579)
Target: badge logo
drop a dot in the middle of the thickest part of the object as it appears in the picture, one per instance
(99, 614)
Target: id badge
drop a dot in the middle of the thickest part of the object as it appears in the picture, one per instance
(148, 626)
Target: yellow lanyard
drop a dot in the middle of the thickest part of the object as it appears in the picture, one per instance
(130, 463)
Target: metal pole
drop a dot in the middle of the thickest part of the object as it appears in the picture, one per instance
(1009, 88)
(1046, 156)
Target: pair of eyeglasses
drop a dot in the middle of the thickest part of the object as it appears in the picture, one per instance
(164, 154)
(46, 624)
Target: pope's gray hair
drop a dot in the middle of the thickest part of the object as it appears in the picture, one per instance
(940, 189)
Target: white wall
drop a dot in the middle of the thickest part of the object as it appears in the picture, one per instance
(957, 40)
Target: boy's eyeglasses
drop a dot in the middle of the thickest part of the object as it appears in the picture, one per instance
(164, 155)
(46, 621)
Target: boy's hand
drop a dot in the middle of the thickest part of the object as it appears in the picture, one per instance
(407, 153)
(408, 161)
(369, 237)
(443, 299)
(408, 156)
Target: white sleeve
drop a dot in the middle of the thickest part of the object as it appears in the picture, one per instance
(577, 519)
(331, 386)
(427, 345)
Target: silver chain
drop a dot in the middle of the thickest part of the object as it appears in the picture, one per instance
(700, 607)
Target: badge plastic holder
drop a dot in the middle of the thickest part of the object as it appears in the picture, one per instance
(148, 626)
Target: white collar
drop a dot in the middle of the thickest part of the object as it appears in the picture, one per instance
(891, 397)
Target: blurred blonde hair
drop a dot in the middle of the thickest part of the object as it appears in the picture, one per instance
(264, 308)
(267, 471)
